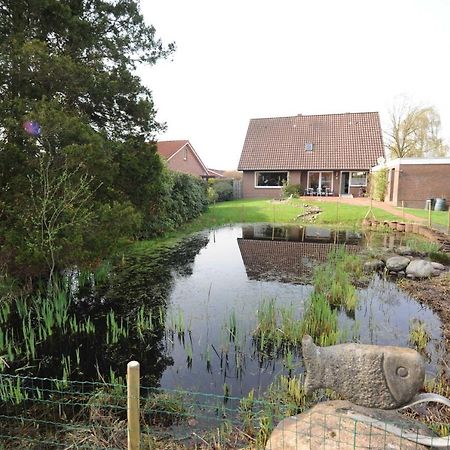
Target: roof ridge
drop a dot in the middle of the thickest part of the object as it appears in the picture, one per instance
(314, 115)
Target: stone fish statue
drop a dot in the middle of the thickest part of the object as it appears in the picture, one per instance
(374, 376)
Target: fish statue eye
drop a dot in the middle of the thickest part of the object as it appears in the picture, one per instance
(402, 372)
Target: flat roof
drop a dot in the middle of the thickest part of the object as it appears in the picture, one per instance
(418, 161)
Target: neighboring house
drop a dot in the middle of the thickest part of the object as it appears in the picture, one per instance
(414, 180)
(216, 173)
(181, 157)
(332, 153)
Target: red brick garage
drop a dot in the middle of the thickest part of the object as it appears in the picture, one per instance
(414, 180)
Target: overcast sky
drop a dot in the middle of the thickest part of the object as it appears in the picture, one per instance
(242, 59)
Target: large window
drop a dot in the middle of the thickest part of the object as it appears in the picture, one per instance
(320, 180)
(358, 179)
(271, 179)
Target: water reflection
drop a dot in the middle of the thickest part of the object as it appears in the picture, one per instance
(302, 234)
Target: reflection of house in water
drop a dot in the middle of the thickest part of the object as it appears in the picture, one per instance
(289, 253)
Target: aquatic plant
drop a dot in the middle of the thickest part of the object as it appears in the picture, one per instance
(246, 412)
(277, 328)
(115, 330)
(334, 279)
(418, 335)
(320, 321)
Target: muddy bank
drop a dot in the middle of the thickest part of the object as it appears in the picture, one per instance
(435, 293)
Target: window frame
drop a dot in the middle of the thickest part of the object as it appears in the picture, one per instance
(320, 178)
(257, 172)
(350, 182)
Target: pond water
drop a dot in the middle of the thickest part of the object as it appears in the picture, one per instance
(188, 314)
(242, 266)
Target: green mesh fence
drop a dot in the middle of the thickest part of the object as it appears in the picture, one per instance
(43, 413)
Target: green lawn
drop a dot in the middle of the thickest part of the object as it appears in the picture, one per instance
(251, 211)
(438, 217)
(334, 213)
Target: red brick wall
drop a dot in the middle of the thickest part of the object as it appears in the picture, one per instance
(190, 165)
(417, 182)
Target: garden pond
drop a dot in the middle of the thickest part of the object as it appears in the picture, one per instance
(189, 313)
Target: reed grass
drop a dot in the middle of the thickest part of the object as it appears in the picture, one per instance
(334, 279)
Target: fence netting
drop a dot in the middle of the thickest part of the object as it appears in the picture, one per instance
(43, 413)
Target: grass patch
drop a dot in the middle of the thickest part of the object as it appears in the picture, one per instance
(239, 211)
(438, 217)
(440, 257)
(422, 245)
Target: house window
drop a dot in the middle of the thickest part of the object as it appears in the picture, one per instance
(309, 147)
(320, 180)
(185, 153)
(358, 179)
(270, 179)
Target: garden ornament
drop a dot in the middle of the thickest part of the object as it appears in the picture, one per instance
(372, 376)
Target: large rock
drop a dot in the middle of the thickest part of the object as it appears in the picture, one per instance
(328, 426)
(373, 265)
(397, 263)
(404, 251)
(437, 266)
(419, 268)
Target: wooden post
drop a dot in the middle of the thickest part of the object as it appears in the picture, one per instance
(337, 210)
(448, 230)
(429, 214)
(133, 391)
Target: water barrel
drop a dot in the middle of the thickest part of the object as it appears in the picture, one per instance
(440, 205)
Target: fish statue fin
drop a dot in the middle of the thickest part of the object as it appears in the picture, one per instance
(312, 364)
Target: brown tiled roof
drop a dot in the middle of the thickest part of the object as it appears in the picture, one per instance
(340, 141)
(168, 148)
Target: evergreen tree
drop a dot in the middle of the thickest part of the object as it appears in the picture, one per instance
(75, 127)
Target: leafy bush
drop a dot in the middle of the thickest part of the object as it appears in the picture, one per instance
(212, 195)
(180, 198)
(292, 189)
(223, 189)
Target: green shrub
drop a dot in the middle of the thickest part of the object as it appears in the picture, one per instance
(292, 189)
(223, 189)
(180, 198)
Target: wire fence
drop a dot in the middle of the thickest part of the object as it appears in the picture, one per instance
(50, 413)
(44, 413)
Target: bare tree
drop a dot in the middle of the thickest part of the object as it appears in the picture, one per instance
(415, 132)
(59, 202)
